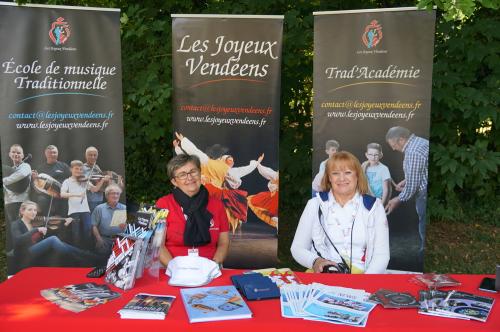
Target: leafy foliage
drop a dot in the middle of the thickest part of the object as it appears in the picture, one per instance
(465, 154)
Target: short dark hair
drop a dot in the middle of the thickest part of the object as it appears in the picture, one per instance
(332, 144)
(180, 160)
(397, 132)
(375, 146)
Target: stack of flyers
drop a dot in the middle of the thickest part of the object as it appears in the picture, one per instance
(324, 303)
(434, 280)
(455, 304)
(79, 297)
(393, 299)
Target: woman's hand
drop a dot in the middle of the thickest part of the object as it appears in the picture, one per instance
(320, 263)
(42, 230)
(67, 221)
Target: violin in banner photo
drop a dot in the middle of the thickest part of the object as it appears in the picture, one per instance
(52, 223)
(97, 175)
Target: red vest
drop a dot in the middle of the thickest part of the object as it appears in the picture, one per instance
(176, 222)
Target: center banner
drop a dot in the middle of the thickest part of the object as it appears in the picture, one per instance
(226, 77)
(372, 97)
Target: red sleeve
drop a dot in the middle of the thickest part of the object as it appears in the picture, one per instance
(220, 215)
(161, 202)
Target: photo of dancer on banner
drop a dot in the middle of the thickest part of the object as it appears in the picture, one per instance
(226, 75)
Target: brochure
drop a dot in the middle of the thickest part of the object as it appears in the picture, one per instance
(214, 303)
(147, 306)
(455, 304)
(279, 276)
(79, 297)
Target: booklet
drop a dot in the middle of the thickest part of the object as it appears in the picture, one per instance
(455, 304)
(147, 306)
(467, 305)
(214, 303)
(79, 297)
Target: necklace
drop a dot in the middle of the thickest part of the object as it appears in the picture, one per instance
(346, 229)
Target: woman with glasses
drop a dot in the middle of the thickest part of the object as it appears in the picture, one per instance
(342, 229)
(197, 223)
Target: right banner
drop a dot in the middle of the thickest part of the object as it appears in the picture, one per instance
(372, 97)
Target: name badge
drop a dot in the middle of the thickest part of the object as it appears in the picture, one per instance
(193, 252)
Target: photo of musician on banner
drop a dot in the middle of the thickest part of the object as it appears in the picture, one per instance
(48, 207)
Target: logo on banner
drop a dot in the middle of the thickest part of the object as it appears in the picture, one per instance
(372, 35)
(59, 31)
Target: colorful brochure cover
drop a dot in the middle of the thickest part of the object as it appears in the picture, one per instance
(79, 297)
(147, 306)
(280, 277)
(455, 304)
(214, 303)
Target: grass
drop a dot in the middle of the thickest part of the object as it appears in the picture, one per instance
(452, 247)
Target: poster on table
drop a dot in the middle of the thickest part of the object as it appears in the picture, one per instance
(373, 72)
(226, 76)
(61, 93)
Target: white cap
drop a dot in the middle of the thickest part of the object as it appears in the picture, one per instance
(191, 271)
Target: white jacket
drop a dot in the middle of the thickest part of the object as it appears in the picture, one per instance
(309, 230)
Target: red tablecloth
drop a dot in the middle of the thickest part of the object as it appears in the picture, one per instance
(22, 308)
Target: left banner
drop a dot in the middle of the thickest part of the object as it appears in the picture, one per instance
(226, 76)
(61, 132)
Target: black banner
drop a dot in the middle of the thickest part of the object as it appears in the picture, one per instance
(226, 73)
(61, 93)
(373, 72)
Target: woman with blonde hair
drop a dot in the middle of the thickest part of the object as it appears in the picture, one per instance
(343, 229)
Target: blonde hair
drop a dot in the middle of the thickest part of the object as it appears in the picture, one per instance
(25, 204)
(344, 160)
(76, 163)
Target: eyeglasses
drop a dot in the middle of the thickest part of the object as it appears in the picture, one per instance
(183, 176)
(373, 155)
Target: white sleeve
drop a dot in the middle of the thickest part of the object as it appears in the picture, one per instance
(381, 251)
(22, 171)
(65, 186)
(178, 150)
(316, 184)
(190, 148)
(302, 241)
(386, 175)
(239, 172)
(267, 172)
